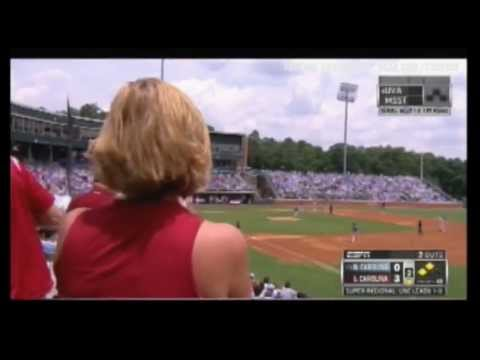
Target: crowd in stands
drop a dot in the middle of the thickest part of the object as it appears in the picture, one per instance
(228, 181)
(287, 185)
(53, 176)
(271, 291)
(297, 185)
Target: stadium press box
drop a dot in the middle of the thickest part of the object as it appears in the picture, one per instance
(380, 273)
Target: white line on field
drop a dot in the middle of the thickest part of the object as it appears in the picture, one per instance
(316, 262)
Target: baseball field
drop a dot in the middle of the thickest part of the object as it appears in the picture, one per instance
(307, 249)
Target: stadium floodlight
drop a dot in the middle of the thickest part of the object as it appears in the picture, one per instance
(421, 166)
(347, 93)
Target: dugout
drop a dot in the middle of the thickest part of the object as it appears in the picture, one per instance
(224, 197)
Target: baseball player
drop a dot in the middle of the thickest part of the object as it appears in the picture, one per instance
(419, 227)
(354, 232)
(442, 224)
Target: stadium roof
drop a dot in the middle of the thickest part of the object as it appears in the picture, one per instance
(210, 128)
(55, 113)
(226, 133)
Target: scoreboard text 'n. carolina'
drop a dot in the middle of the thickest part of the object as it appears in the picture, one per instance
(402, 273)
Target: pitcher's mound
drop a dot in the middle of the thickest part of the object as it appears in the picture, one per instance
(282, 218)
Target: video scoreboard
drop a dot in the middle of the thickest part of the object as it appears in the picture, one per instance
(401, 273)
(414, 95)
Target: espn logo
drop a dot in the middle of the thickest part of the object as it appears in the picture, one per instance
(357, 254)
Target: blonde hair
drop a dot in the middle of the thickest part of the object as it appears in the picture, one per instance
(154, 141)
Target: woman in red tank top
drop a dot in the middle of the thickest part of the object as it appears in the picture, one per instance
(153, 148)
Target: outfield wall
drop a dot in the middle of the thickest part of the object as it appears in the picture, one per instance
(368, 203)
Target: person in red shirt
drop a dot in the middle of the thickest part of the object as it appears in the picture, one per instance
(154, 148)
(30, 205)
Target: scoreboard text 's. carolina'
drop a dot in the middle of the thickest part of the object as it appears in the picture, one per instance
(414, 95)
(412, 273)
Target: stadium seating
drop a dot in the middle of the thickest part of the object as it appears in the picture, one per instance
(54, 177)
(287, 185)
(228, 181)
(296, 185)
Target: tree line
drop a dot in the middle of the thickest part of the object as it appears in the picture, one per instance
(91, 110)
(290, 155)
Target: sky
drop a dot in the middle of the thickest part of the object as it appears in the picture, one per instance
(280, 98)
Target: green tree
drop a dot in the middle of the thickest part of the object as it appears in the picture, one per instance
(267, 153)
(92, 111)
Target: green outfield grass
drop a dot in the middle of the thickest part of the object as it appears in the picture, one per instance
(312, 280)
(319, 283)
(253, 219)
(451, 215)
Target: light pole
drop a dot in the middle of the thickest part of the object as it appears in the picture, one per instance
(347, 93)
(421, 166)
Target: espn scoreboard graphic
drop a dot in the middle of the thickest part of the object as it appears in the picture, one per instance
(414, 95)
(381, 273)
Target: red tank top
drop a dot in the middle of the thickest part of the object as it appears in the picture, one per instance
(129, 250)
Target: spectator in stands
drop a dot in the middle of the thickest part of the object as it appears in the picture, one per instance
(254, 284)
(354, 186)
(267, 288)
(62, 201)
(266, 280)
(30, 205)
(267, 292)
(257, 289)
(17, 153)
(287, 292)
(99, 196)
(153, 147)
(277, 293)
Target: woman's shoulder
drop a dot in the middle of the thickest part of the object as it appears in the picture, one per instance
(220, 261)
(220, 240)
(218, 232)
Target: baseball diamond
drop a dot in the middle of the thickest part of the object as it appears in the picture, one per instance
(308, 251)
